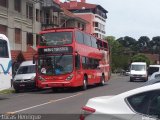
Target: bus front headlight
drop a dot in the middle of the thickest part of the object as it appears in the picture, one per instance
(70, 77)
(41, 78)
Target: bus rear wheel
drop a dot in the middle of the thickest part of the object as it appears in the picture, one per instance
(102, 81)
(84, 87)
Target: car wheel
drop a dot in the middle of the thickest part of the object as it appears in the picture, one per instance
(84, 87)
(17, 90)
(102, 81)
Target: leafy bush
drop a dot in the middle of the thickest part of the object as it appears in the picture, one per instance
(140, 58)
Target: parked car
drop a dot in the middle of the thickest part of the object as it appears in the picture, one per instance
(127, 73)
(138, 104)
(153, 69)
(138, 71)
(155, 75)
(25, 76)
(153, 81)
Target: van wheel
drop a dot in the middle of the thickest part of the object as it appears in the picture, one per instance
(84, 87)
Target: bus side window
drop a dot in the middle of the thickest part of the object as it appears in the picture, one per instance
(105, 46)
(77, 62)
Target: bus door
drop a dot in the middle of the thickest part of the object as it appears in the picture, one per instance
(78, 73)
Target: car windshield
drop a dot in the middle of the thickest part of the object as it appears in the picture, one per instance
(56, 38)
(55, 65)
(26, 69)
(138, 67)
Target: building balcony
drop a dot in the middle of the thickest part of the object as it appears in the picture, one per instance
(48, 4)
(99, 30)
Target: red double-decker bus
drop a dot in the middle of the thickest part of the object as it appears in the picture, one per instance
(69, 57)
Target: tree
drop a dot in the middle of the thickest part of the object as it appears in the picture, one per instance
(127, 42)
(155, 44)
(143, 44)
(140, 58)
(118, 59)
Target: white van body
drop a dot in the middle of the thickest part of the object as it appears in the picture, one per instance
(5, 63)
(138, 71)
(25, 76)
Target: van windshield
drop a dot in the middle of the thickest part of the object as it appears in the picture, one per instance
(138, 67)
(26, 69)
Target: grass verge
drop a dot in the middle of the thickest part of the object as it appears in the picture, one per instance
(8, 91)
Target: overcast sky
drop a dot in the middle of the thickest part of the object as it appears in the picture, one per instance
(132, 18)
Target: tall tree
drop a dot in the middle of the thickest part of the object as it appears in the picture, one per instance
(127, 42)
(143, 44)
(118, 58)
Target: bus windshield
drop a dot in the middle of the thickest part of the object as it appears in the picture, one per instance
(55, 65)
(56, 38)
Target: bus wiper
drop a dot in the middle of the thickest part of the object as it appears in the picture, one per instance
(60, 58)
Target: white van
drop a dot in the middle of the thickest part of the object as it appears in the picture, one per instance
(138, 71)
(25, 76)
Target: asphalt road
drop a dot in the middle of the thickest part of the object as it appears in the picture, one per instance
(62, 102)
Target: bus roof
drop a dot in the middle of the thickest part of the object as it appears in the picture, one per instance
(2, 36)
(67, 29)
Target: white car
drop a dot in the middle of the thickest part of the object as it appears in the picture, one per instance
(138, 104)
(25, 76)
(152, 70)
(155, 75)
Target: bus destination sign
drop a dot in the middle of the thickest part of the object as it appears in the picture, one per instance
(57, 50)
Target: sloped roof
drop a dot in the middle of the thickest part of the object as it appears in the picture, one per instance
(28, 55)
(79, 5)
(14, 54)
(70, 14)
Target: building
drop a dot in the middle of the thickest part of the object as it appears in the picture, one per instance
(55, 16)
(96, 15)
(21, 21)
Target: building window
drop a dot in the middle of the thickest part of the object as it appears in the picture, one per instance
(29, 39)
(55, 20)
(96, 24)
(17, 5)
(3, 29)
(29, 11)
(18, 35)
(3, 49)
(37, 15)
(4, 3)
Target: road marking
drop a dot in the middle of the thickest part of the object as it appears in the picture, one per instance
(51, 101)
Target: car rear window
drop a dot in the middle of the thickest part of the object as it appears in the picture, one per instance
(151, 70)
